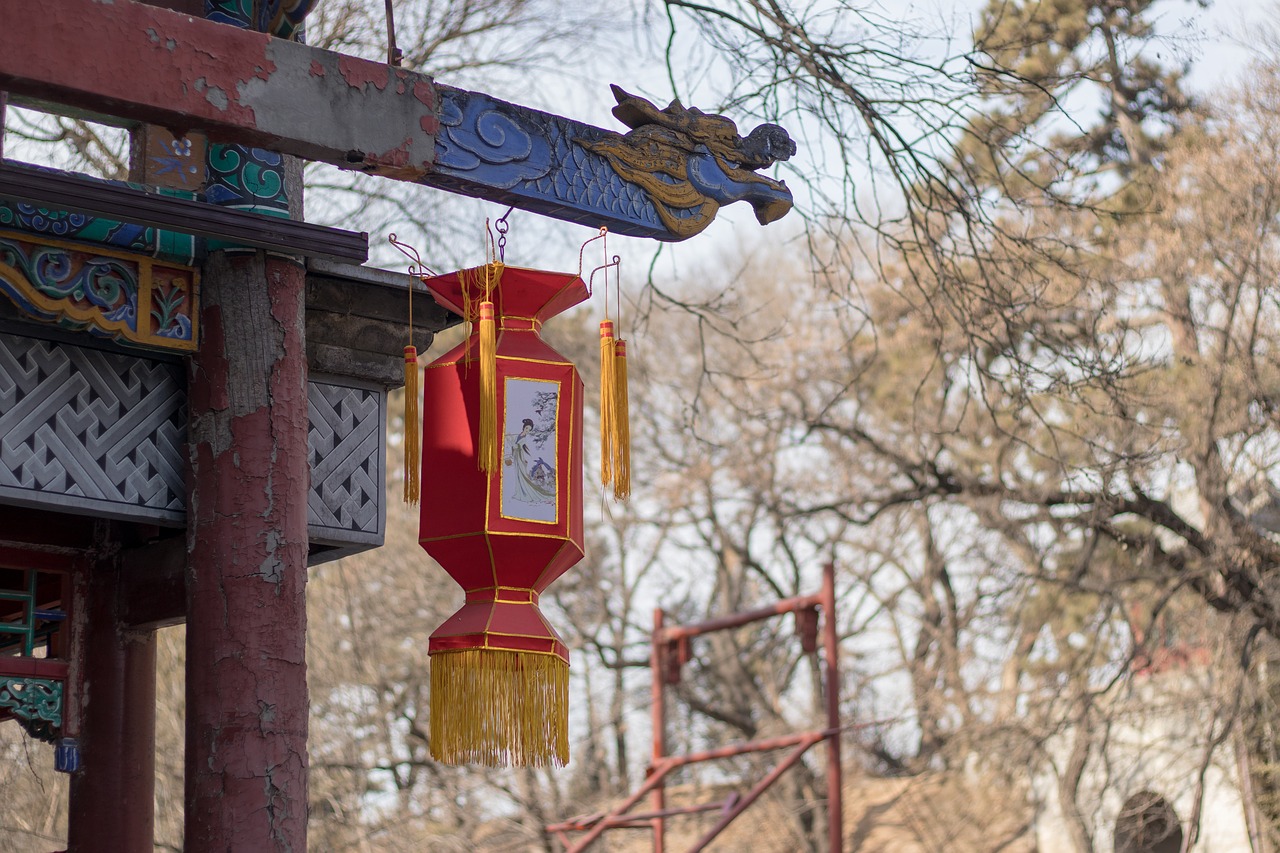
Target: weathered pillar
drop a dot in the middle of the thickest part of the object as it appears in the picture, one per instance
(113, 671)
(246, 757)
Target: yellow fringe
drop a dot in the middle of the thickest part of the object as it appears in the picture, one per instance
(608, 400)
(621, 426)
(412, 428)
(487, 452)
(498, 707)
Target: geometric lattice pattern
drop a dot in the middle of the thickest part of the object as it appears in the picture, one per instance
(101, 432)
(92, 430)
(345, 441)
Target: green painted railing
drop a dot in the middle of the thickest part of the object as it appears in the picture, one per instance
(26, 628)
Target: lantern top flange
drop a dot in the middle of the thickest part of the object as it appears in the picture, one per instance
(516, 291)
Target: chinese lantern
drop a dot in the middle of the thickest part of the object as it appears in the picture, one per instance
(502, 444)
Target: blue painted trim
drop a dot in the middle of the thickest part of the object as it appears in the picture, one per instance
(522, 157)
(548, 164)
(157, 243)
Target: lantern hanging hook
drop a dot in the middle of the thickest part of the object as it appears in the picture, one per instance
(602, 235)
(617, 284)
(418, 268)
(616, 261)
(502, 227)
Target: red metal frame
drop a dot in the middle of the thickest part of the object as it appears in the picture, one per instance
(670, 650)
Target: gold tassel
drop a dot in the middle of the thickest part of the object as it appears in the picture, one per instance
(412, 428)
(498, 707)
(487, 452)
(621, 423)
(608, 400)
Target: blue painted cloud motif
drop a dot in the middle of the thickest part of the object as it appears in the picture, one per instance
(480, 141)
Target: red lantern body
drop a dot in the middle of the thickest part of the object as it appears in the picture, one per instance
(499, 670)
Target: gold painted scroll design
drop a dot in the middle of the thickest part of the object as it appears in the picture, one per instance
(133, 299)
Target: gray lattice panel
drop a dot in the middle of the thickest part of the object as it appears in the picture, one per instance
(348, 422)
(91, 431)
(98, 432)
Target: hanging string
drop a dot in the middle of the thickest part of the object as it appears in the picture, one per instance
(608, 396)
(412, 491)
(488, 450)
(621, 425)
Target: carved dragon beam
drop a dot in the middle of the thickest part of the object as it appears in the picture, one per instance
(665, 178)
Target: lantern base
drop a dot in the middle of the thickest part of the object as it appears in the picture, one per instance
(498, 707)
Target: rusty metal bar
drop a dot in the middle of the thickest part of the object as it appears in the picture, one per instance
(656, 776)
(661, 767)
(735, 620)
(638, 820)
(658, 711)
(755, 792)
(669, 641)
(835, 770)
(766, 745)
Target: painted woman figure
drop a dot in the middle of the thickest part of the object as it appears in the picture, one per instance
(530, 485)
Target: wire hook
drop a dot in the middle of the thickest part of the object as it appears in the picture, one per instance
(604, 234)
(590, 279)
(418, 268)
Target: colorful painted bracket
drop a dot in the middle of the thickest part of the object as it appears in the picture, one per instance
(36, 703)
(132, 298)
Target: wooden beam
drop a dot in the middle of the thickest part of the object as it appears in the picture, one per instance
(247, 88)
(148, 64)
(153, 584)
(115, 200)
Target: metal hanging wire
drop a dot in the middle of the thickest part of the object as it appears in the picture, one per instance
(582, 251)
(393, 53)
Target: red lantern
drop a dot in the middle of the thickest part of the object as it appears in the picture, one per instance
(506, 527)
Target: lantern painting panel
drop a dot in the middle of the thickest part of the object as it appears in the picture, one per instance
(530, 446)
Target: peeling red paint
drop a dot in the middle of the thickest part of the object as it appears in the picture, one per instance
(232, 84)
(246, 618)
(138, 36)
(360, 72)
(208, 388)
(396, 157)
(425, 93)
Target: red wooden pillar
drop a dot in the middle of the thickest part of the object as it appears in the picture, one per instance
(246, 755)
(114, 676)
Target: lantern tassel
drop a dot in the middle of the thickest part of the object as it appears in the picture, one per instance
(497, 707)
(621, 426)
(608, 402)
(412, 428)
(487, 458)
